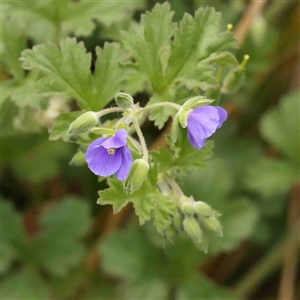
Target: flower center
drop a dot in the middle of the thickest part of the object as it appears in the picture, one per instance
(111, 151)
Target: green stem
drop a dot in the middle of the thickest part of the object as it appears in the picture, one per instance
(57, 33)
(219, 75)
(173, 184)
(109, 111)
(273, 259)
(171, 104)
(141, 138)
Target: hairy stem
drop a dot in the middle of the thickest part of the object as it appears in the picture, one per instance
(141, 138)
(109, 110)
(173, 184)
(171, 104)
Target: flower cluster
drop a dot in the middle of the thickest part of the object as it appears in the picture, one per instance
(109, 155)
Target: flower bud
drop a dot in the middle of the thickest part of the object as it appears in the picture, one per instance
(187, 208)
(177, 221)
(137, 174)
(192, 229)
(84, 122)
(213, 224)
(124, 100)
(202, 209)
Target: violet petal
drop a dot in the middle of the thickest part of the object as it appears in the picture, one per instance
(196, 134)
(92, 149)
(207, 117)
(222, 115)
(123, 171)
(117, 140)
(104, 164)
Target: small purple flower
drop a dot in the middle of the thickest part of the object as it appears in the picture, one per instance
(202, 122)
(107, 156)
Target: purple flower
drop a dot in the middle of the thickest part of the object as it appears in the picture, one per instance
(202, 122)
(107, 156)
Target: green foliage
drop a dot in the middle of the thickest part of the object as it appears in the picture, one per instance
(70, 66)
(148, 202)
(54, 19)
(62, 226)
(198, 284)
(44, 155)
(13, 42)
(56, 248)
(130, 255)
(61, 125)
(182, 155)
(12, 235)
(176, 57)
(238, 216)
(26, 284)
(150, 42)
(271, 178)
(280, 127)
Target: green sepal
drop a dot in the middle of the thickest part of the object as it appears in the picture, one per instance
(174, 129)
(133, 144)
(197, 101)
(102, 130)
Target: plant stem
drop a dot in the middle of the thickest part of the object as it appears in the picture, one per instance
(173, 184)
(109, 110)
(219, 75)
(171, 104)
(141, 138)
(244, 288)
(57, 33)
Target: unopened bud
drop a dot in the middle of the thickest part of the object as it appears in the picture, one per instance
(187, 208)
(137, 174)
(177, 221)
(124, 100)
(213, 224)
(229, 27)
(192, 229)
(84, 123)
(202, 209)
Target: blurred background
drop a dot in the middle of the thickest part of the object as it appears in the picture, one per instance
(57, 243)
